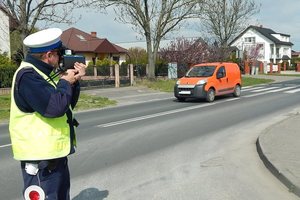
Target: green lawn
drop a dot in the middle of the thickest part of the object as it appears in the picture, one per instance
(85, 102)
(4, 107)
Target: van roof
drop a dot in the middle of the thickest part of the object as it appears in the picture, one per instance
(213, 63)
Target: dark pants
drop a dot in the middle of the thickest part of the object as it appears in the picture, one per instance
(54, 182)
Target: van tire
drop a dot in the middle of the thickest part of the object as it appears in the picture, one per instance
(237, 91)
(210, 95)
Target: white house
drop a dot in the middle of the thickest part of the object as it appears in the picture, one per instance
(270, 47)
(4, 33)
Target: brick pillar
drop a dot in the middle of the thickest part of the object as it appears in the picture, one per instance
(298, 67)
(284, 66)
(271, 68)
(279, 67)
(247, 68)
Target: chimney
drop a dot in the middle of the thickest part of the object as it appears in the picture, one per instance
(94, 34)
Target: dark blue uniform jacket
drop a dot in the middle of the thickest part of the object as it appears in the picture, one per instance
(33, 93)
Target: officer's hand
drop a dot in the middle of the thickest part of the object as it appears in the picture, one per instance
(69, 76)
(80, 70)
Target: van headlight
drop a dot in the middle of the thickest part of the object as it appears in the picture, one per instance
(202, 82)
(178, 82)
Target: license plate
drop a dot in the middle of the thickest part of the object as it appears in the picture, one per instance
(185, 92)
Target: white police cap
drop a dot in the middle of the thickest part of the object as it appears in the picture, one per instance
(43, 41)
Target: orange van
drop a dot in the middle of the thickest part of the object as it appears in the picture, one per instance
(207, 80)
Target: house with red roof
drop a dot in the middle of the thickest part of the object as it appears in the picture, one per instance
(92, 47)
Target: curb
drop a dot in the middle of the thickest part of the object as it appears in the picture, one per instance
(276, 172)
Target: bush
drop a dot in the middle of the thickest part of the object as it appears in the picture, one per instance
(6, 75)
(7, 70)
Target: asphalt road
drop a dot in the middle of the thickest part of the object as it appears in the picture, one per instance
(166, 149)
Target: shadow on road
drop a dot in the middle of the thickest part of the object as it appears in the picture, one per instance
(91, 194)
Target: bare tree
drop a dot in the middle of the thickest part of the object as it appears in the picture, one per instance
(186, 52)
(226, 18)
(253, 52)
(153, 19)
(137, 55)
(27, 13)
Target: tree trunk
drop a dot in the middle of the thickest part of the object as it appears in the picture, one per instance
(151, 61)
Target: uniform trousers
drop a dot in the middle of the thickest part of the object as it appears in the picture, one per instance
(53, 178)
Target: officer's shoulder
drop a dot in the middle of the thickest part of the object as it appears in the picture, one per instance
(25, 71)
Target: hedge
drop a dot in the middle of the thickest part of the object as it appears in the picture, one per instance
(6, 75)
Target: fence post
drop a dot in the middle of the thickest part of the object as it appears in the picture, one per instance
(117, 76)
(298, 67)
(261, 67)
(131, 74)
(279, 68)
(128, 71)
(147, 70)
(247, 68)
(111, 71)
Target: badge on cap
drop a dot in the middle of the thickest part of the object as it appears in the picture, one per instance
(43, 41)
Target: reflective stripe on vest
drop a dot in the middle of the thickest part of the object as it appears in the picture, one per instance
(35, 137)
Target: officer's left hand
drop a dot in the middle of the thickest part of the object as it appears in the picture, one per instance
(80, 69)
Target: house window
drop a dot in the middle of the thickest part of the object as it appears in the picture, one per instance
(116, 58)
(250, 39)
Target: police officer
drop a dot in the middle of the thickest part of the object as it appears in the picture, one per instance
(41, 120)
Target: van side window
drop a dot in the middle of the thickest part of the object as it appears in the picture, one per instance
(221, 72)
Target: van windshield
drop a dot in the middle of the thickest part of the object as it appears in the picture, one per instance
(201, 71)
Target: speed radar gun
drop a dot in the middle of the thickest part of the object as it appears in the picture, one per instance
(67, 61)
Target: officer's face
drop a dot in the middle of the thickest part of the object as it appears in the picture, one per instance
(53, 58)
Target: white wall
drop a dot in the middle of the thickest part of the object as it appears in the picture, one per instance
(4, 33)
(260, 39)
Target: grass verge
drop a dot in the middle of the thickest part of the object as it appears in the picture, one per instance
(85, 102)
(4, 107)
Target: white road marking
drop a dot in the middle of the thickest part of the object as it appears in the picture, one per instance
(154, 115)
(5, 145)
(264, 89)
(270, 91)
(248, 88)
(293, 91)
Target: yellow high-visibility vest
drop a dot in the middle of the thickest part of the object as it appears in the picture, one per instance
(35, 137)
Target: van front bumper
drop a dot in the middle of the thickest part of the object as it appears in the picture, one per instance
(189, 91)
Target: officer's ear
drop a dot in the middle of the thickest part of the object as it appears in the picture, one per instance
(48, 54)
(45, 56)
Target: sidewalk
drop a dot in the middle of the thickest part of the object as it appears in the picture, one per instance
(278, 147)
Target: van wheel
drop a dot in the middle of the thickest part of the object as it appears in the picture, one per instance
(237, 91)
(181, 99)
(210, 95)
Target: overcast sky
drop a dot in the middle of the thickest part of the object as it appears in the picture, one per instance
(282, 16)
